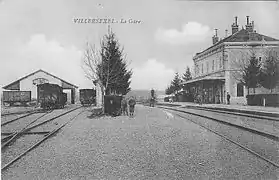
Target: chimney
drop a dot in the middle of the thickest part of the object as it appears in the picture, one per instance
(235, 26)
(247, 19)
(226, 33)
(215, 38)
(249, 26)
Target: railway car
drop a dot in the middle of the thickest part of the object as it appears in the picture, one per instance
(51, 96)
(12, 97)
(87, 96)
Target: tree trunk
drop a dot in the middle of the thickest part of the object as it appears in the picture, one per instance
(103, 99)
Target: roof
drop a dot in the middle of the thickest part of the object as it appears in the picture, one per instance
(206, 78)
(243, 36)
(40, 70)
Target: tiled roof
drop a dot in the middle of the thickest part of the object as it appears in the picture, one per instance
(243, 36)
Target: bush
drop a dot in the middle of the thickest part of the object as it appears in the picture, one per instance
(258, 100)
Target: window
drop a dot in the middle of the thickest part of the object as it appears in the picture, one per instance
(213, 65)
(260, 59)
(202, 69)
(220, 63)
(207, 67)
(240, 90)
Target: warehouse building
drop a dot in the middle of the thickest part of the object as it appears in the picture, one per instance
(216, 68)
(30, 82)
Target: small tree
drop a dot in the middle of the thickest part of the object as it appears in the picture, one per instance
(176, 83)
(187, 75)
(251, 73)
(169, 90)
(270, 72)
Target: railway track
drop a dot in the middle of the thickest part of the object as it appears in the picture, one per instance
(18, 113)
(256, 115)
(67, 118)
(250, 149)
(17, 134)
(20, 117)
(271, 118)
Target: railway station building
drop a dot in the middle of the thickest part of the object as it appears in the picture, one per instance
(30, 82)
(216, 69)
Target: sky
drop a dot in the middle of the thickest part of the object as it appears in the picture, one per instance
(162, 38)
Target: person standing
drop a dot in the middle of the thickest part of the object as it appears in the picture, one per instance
(124, 106)
(228, 98)
(132, 103)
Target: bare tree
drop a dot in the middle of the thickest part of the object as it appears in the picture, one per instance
(240, 63)
(107, 67)
(246, 68)
(91, 60)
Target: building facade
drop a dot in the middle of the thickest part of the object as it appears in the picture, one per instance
(217, 69)
(30, 82)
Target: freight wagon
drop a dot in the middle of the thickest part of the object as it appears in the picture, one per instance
(51, 96)
(87, 96)
(13, 97)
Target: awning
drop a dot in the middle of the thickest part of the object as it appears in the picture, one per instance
(207, 78)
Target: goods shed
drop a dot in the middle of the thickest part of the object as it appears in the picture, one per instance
(30, 82)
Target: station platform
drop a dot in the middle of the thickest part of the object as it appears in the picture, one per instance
(256, 110)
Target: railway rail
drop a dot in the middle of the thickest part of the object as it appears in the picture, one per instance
(271, 118)
(20, 132)
(253, 130)
(21, 117)
(267, 116)
(17, 113)
(47, 134)
(263, 134)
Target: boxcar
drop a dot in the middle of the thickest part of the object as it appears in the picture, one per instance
(12, 97)
(51, 96)
(87, 96)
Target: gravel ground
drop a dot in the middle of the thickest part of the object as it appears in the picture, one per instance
(7, 110)
(264, 146)
(26, 141)
(260, 124)
(10, 117)
(18, 147)
(152, 145)
(56, 122)
(21, 123)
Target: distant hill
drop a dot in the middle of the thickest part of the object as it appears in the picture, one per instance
(143, 93)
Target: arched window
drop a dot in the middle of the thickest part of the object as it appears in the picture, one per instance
(240, 90)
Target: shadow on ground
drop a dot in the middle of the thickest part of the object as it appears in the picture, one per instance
(95, 113)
